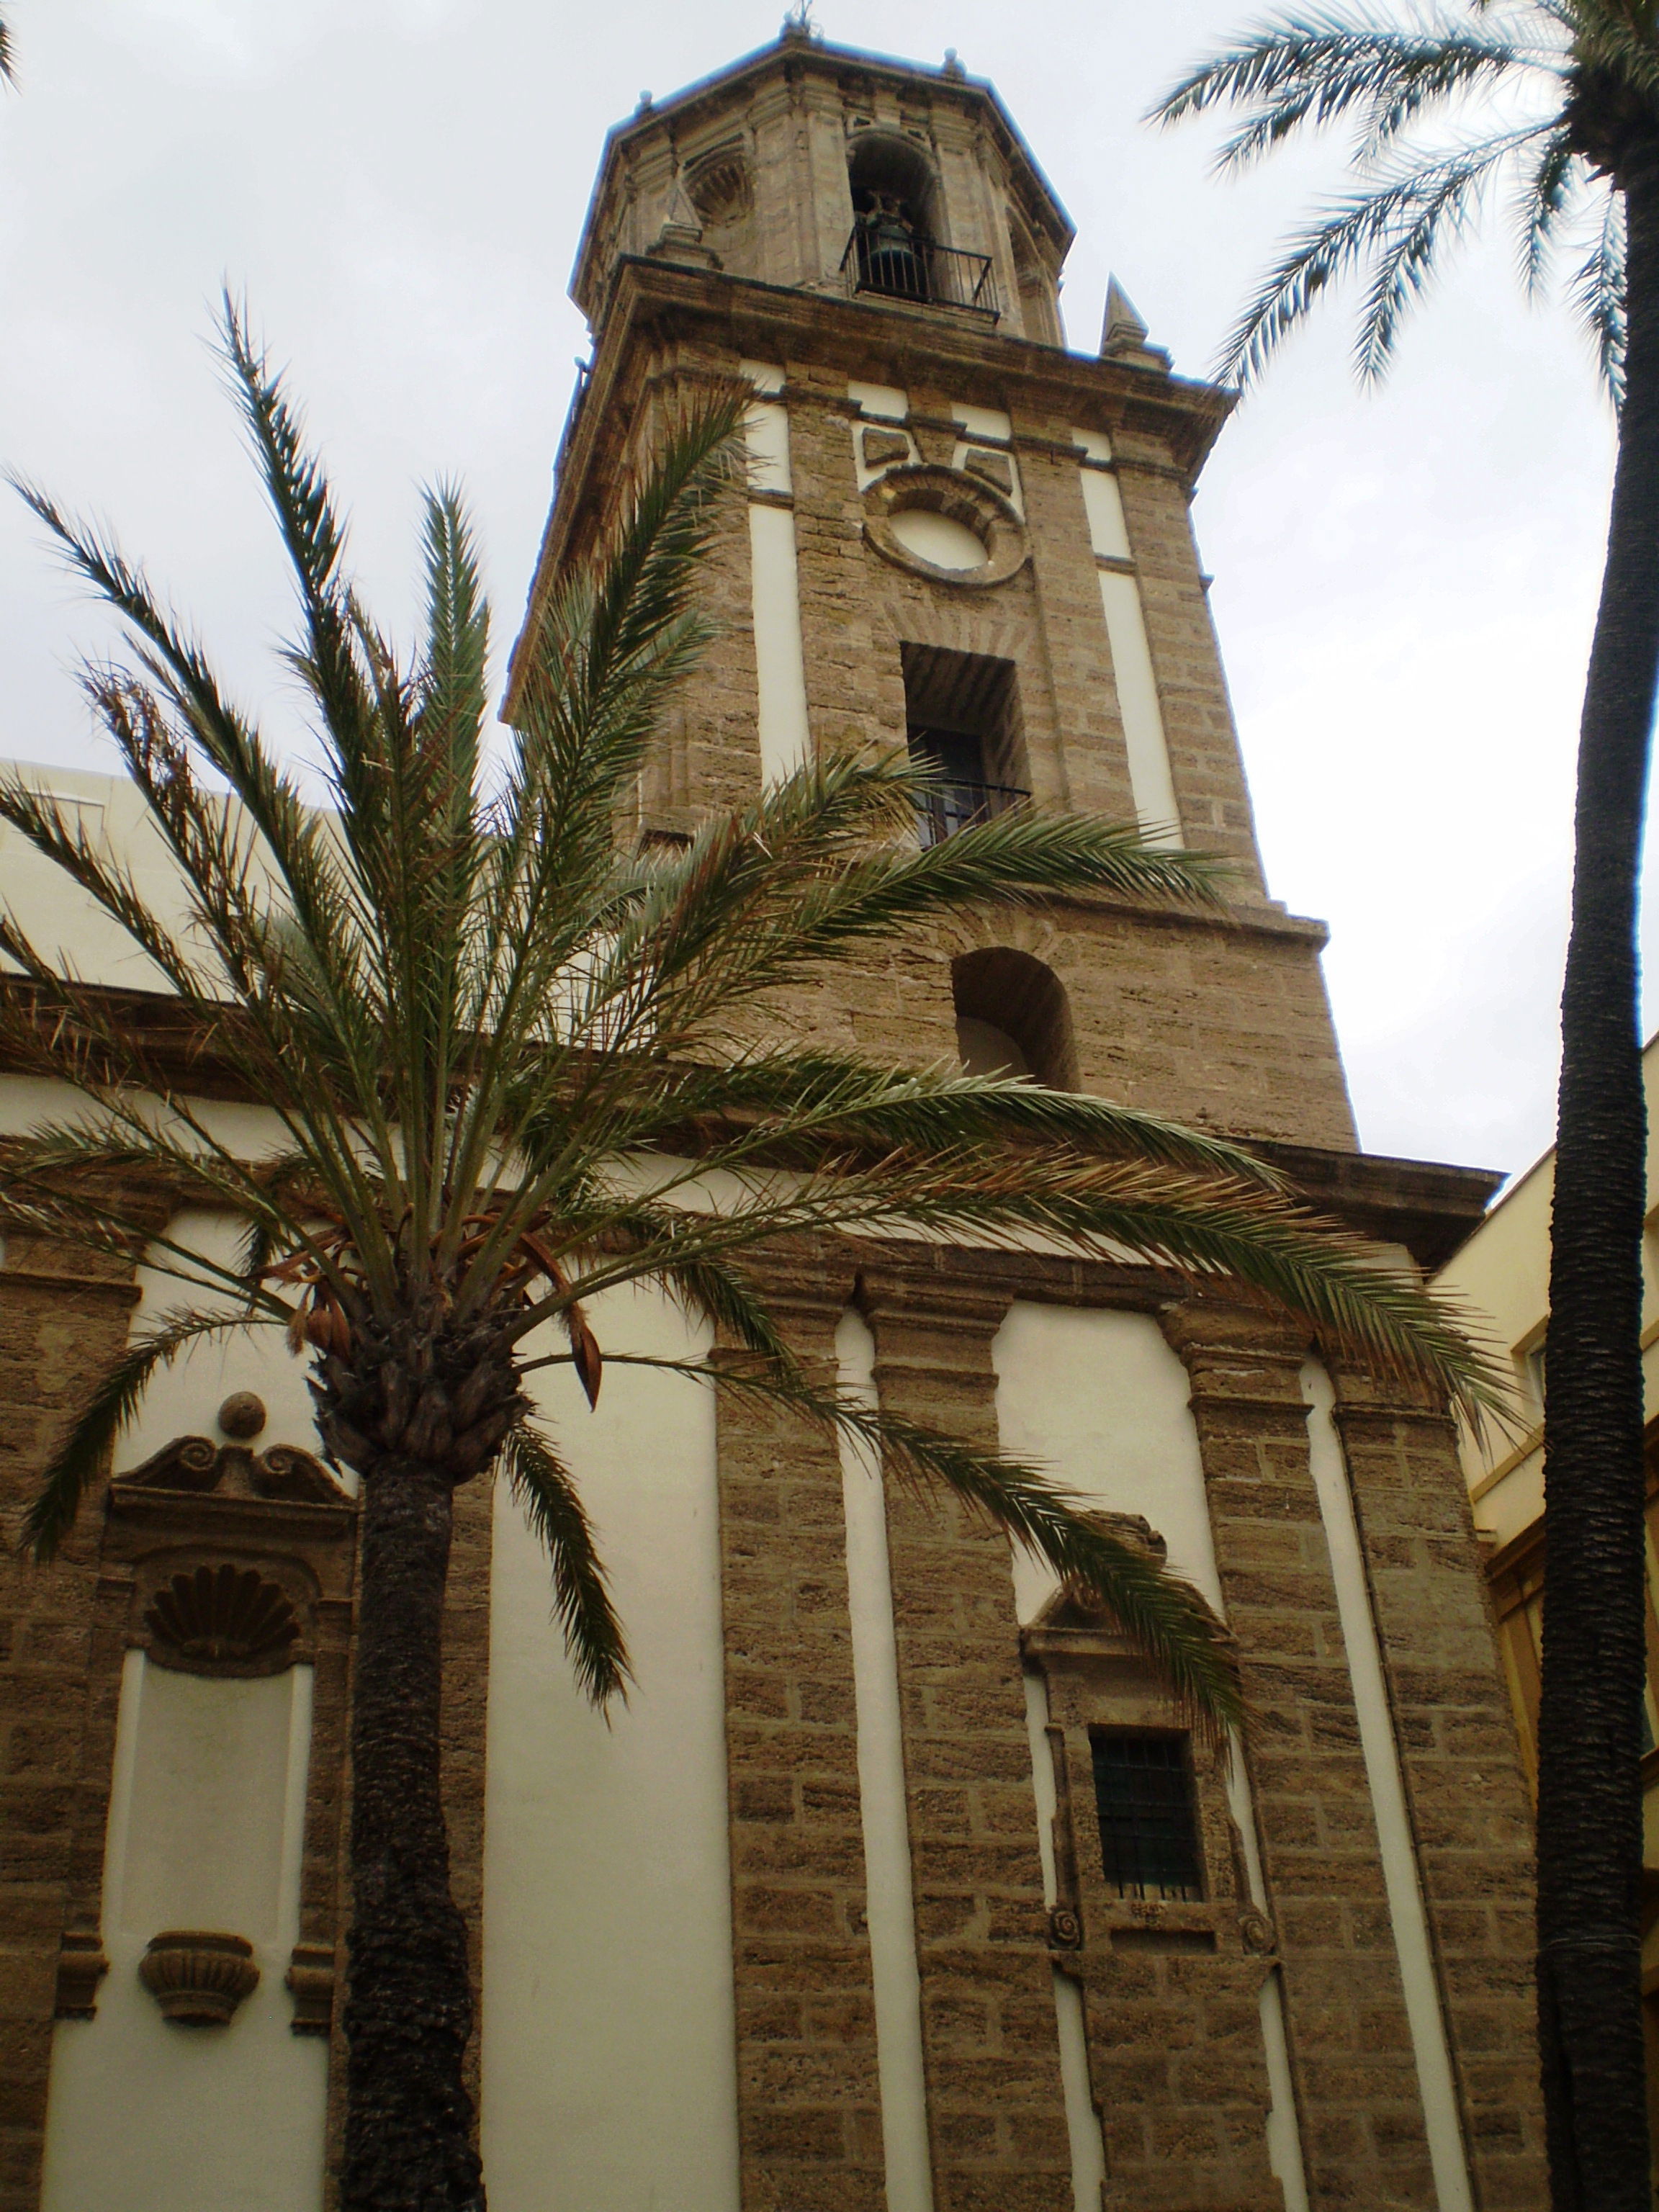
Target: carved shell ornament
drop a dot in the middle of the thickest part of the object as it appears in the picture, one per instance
(224, 1618)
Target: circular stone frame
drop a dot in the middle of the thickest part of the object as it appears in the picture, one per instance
(924, 487)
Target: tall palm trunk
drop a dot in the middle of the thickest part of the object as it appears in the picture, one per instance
(1590, 1814)
(409, 2009)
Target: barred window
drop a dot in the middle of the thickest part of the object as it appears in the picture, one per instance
(1148, 1827)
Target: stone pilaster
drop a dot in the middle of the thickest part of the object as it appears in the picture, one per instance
(64, 1316)
(989, 2033)
(808, 2109)
(1360, 2106)
(1459, 1763)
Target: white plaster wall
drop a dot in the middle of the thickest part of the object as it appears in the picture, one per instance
(608, 2023)
(184, 1398)
(938, 539)
(65, 921)
(1100, 1399)
(1126, 630)
(1143, 720)
(206, 1824)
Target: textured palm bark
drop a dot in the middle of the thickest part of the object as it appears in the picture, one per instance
(1589, 1822)
(409, 2010)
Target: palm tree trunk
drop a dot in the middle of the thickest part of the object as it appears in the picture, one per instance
(1590, 1817)
(409, 2009)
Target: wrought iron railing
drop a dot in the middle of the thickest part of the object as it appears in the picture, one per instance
(949, 805)
(896, 263)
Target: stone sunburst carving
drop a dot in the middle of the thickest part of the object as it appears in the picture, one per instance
(198, 1975)
(224, 1618)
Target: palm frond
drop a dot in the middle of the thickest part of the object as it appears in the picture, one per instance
(1548, 186)
(1163, 1616)
(79, 1459)
(581, 1598)
(1314, 69)
(817, 1097)
(1403, 222)
(1219, 1236)
(1597, 293)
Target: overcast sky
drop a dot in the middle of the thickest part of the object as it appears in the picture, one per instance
(1405, 582)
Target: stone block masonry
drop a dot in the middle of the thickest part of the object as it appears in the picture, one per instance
(64, 1317)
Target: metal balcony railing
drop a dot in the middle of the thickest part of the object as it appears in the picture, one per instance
(896, 263)
(948, 807)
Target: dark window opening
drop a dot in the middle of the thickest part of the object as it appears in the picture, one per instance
(962, 716)
(1148, 1821)
(1013, 1017)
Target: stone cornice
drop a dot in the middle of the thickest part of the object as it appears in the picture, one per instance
(1423, 1205)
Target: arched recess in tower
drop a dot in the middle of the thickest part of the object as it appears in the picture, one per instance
(896, 215)
(720, 186)
(1012, 1016)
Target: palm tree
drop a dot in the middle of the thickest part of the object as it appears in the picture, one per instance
(471, 1011)
(1557, 100)
(6, 76)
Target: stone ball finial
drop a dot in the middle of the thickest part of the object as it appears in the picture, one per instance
(242, 1415)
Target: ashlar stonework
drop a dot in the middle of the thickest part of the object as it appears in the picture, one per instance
(959, 537)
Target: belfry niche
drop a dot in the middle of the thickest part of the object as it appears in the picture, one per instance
(901, 1885)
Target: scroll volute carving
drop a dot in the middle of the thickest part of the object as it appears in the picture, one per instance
(198, 1466)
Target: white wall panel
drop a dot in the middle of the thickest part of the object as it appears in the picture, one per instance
(608, 2037)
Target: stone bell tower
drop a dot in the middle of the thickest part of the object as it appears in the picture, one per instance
(960, 534)
(1003, 1934)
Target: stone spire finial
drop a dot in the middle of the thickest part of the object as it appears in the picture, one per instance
(1123, 333)
(680, 237)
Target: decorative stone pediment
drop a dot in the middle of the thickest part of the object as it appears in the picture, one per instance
(221, 1620)
(1075, 1630)
(198, 1466)
(220, 1559)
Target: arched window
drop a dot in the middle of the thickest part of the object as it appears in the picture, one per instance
(895, 215)
(1013, 1017)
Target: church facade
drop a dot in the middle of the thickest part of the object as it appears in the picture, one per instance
(900, 1886)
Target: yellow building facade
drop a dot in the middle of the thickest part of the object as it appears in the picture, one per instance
(1502, 1274)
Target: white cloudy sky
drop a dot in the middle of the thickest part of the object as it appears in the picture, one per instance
(1404, 582)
